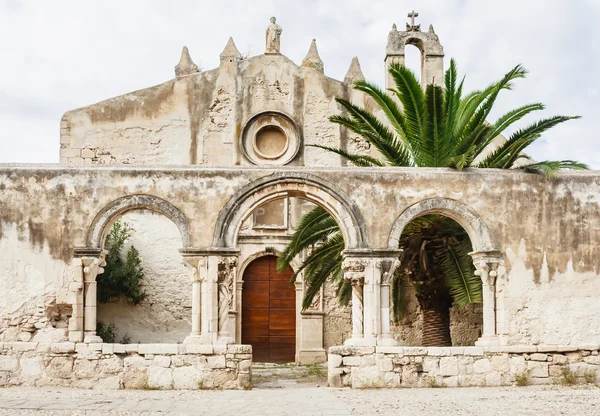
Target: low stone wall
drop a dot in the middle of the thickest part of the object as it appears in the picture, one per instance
(128, 366)
(388, 367)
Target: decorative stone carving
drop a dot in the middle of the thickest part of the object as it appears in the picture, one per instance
(412, 27)
(185, 66)
(312, 58)
(226, 271)
(273, 38)
(354, 272)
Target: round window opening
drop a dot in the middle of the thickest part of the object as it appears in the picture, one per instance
(270, 142)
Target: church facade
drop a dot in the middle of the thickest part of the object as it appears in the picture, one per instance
(213, 170)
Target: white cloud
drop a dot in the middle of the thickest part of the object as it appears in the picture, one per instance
(65, 54)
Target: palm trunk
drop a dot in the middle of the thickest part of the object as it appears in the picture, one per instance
(436, 327)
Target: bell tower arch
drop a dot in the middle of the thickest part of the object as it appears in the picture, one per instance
(432, 52)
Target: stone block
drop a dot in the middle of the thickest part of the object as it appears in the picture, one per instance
(383, 349)
(482, 366)
(119, 349)
(24, 346)
(162, 361)
(8, 363)
(132, 348)
(471, 380)
(62, 348)
(384, 365)
(32, 367)
(412, 351)
(368, 360)
(108, 348)
(112, 365)
(500, 363)
(521, 349)
(475, 351)
(401, 360)
(135, 361)
(592, 359)
(198, 349)
(60, 367)
(410, 376)
(239, 349)
(186, 378)
(580, 369)
(334, 380)
(334, 360)
(493, 379)
(537, 369)
(108, 383)
(216, 361)
(431, 365)
(223, 379)
(87, 153)
(245, 366)
(451, 381)
(83, 368)
(538, 357)
(159, 377)
(135, 377)
(352, 361)
(351, 350)
(366, 377)
(391, 380)
(517, 365)
(244, 381)
(448, 366)
(439, 351)
(164, 349)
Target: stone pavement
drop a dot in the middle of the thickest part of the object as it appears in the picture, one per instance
(290, 398)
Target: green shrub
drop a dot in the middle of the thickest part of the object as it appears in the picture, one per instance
(123, 273)
(108, 333)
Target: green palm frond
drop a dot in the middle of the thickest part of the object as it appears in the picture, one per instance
(357, 160)
(459, 273)
(551, 168)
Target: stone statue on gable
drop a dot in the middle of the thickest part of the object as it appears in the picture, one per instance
(273, 37)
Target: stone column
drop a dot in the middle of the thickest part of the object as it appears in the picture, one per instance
(389, 267)
(198, 266)
(92, 267)
(354, 272)
(227, 271)
(486, 265)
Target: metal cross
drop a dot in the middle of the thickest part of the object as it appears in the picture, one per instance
(412, 16)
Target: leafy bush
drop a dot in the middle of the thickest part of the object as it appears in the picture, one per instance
(108, 333)
(123, 274)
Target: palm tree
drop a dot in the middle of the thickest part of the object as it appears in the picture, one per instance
(437, 127)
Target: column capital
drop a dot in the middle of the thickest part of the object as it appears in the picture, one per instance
(486, 265)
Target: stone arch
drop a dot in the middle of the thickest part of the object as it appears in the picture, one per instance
(475, 227)
(294, 264)
(281, 185)
(101, 223)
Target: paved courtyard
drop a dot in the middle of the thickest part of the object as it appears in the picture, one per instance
(289, 398)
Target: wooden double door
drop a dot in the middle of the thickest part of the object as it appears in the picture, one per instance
(269, 312)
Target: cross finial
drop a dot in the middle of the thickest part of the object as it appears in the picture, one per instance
(412, 25)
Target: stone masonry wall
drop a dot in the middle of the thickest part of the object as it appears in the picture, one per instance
(126, 366)
(388, 367)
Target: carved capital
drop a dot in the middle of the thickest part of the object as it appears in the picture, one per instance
(354, 270)
(198, 265)
(388, 268)
(93, 266)
(486, 264)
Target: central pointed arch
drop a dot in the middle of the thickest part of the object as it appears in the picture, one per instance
(282, 185)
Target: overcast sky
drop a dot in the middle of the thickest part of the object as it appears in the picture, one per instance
(59, 55)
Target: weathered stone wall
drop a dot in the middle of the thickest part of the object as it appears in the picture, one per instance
(126, 366)
(548, 284)
(164, 316)
(370, 367)
(200, 118)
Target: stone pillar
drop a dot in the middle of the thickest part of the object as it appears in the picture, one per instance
(92, 266)
(486, 265)
(354, 273)
(389, 268)
(198, 266)
(227, 271)
(309, 327)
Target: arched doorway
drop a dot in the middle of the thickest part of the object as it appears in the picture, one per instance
(269, 312)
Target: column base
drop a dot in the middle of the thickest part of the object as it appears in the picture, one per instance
(193, 339)
(92, 338)
(491, 341)
(357, 342)
(311, 356)
(387, 341)
(225, 339)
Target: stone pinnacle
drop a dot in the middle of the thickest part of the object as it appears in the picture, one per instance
(312, 58)
(354, 72)
(185, 66)
(231, 52)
